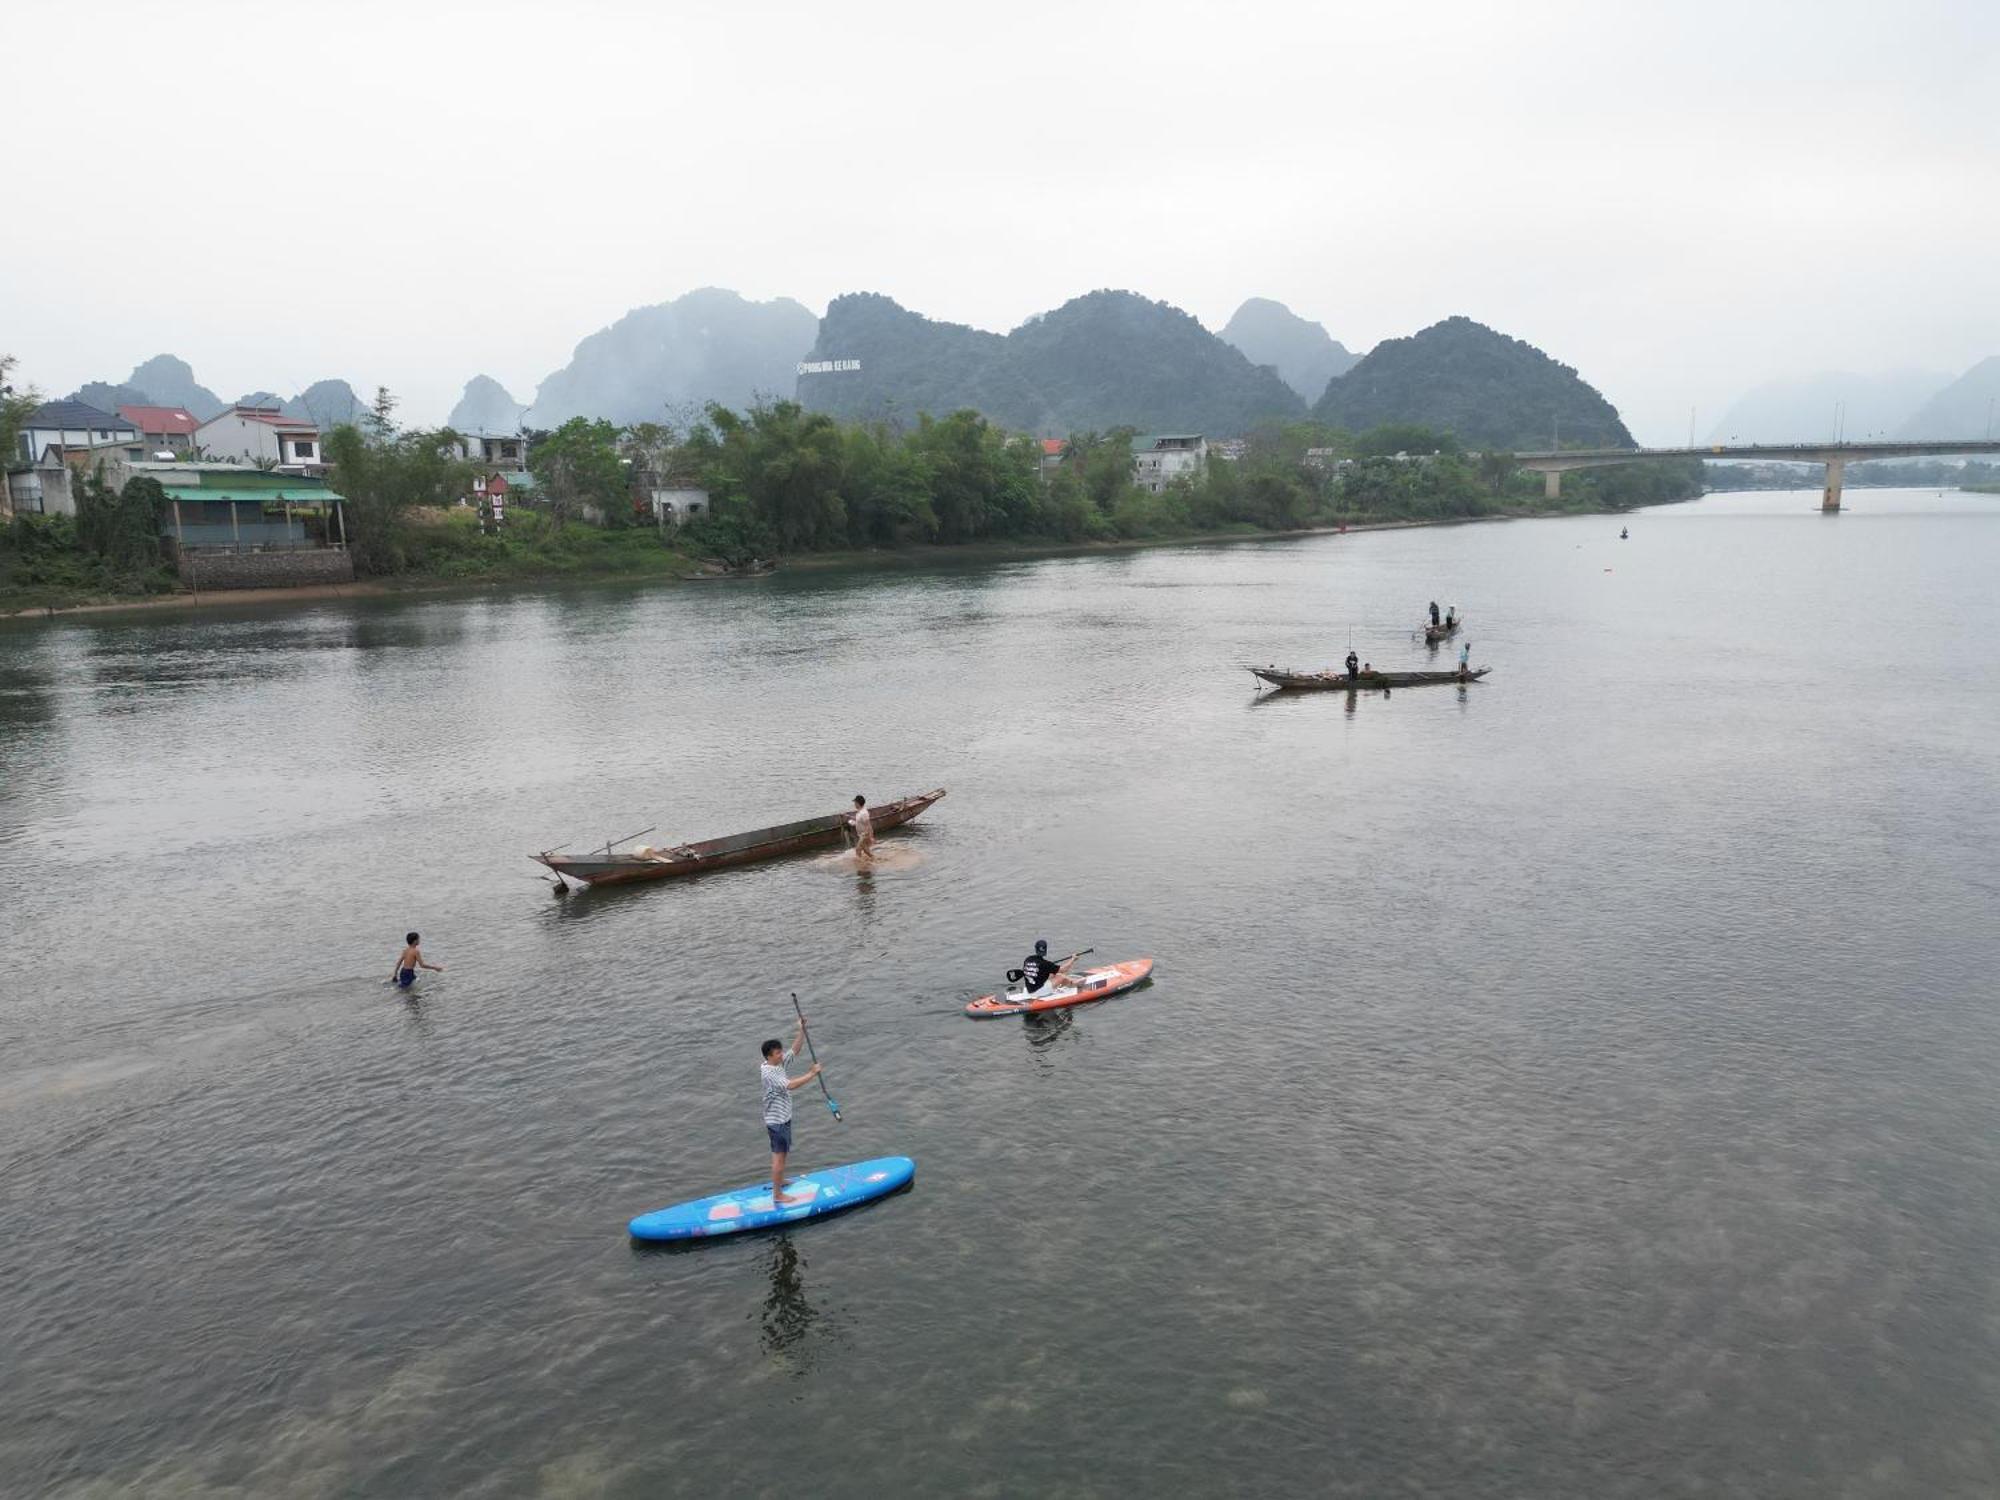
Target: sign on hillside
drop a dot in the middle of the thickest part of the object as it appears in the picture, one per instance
(827, 366)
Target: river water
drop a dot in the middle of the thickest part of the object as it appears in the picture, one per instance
(1578, 1084)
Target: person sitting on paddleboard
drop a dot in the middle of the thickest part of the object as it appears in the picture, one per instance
(1038, 969)
(778, 1086)
(411, 960)
(864, 829)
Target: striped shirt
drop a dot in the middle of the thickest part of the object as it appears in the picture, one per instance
(777, 1093)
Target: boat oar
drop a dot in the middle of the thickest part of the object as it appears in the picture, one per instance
(814, 1056)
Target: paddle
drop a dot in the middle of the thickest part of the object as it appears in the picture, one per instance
(814, 1056)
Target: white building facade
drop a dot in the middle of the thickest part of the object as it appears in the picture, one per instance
(260, 435)
(1158, 461)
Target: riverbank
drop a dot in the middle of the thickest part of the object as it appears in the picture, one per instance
(672, 565)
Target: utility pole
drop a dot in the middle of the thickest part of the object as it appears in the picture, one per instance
(1690, 426)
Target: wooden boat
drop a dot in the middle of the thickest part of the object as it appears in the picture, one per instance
(1360, 682)
(606, 867)
(1435, 633)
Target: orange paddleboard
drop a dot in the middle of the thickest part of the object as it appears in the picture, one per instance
(1092, 984)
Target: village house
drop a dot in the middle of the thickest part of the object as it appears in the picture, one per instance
(70, 424)
(261, 435)
(1158, 461)
(164, 429)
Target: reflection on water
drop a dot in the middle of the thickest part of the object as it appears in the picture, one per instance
(793, 1331)
(1578, 1083)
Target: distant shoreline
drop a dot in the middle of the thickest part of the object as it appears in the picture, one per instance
(928, 555)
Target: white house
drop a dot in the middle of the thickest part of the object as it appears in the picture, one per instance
(499, 450)
(260, 434)
(71, 424)
(1158, 461)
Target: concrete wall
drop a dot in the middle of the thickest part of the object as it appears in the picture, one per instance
(230, 436)
(264, 570)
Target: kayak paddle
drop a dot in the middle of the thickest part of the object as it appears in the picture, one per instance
(814, 1056)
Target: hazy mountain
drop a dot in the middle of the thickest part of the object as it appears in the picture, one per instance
(710, 345)
(162, 380)
(327, 404)
(1967, 408)
(1489, 390)
(909, 365)
(1107, 359)
(1806, 408)
(486, 406)
(1303, 353)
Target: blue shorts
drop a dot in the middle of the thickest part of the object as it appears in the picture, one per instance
(781, 1136)
(406, 977)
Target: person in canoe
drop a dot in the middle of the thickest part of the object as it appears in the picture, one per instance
(409, 961)
(1039, 970)
(1354, 662)
(1464, 658)
(1451, 618)
(778, 1086)
(864, 830)
(1434, 614)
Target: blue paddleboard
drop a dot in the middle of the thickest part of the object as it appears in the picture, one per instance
(811, 1195)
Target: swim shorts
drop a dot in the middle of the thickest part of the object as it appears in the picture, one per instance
(781, 1136)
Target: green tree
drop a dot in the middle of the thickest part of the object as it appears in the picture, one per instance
(16, 406)
(579, 464)
(121, 526)
(381, 478)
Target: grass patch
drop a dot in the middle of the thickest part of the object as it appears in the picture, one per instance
(448, 545)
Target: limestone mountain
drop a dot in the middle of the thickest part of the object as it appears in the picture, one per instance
(1489, 390)
(327, 404)
(1807, 408)
(486, 406)
(1967, 408)
(1106, 359)
(1303, 353)
(163, 380)
(709, 345)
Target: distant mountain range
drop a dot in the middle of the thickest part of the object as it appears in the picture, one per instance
(165, 380)
(1303, 353)
(710, 345)
(1106, 359)
(1967, 408)
(1489, 390)
(1806, 408)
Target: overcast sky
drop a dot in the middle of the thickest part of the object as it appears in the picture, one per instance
(1681, 199)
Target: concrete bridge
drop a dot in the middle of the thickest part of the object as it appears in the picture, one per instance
(1552, 465)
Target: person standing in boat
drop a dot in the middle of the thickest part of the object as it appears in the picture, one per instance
(778, 1086)
(1451, 618)
(1353, 662)
(864, 830)
(1434, 614)
(1464, 658)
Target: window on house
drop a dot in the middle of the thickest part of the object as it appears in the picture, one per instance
(303, 448)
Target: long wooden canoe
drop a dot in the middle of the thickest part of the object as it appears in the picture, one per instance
(645, 863)
(1360, 682)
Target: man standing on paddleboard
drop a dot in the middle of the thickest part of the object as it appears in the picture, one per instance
(778, 1086)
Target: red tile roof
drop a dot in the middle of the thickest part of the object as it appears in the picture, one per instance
(174, 420)
(1053, 447)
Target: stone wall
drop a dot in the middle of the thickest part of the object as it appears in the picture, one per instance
(203, 569)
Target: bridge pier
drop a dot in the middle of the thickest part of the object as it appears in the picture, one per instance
(1836, 471)
(1552, 484)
